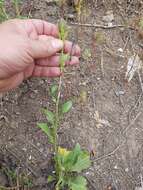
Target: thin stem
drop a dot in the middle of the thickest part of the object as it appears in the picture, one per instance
(3, 11)
(8, 188)
(57, 112)
(17, 8)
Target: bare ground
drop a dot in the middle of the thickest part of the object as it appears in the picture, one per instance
(98, 87)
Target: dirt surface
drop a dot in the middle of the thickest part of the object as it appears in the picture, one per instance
(107, 116)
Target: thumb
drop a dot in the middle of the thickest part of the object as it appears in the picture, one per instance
(45, 46)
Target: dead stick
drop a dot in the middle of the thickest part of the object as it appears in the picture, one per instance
(102, 63)
(109, 154)
(9, 188)
(140, 80)
(132, 122)
(101, 26)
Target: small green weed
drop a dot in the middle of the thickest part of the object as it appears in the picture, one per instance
(87, 54)
(100, 38)
(68, 163)
(78, 6)
(3, 14)
(12, 176)
(140, 23)
(26, 181)
(16, 4)
(61, 2)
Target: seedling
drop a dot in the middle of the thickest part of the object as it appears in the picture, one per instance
(16, 4)
(3, 14)
(78, 6)
(140, 23)
(68, 163)
(87, 54)
(12, 176)
(61, 2)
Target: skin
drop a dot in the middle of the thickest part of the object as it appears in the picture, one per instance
(30, 48)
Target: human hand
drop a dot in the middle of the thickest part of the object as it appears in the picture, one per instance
(29, 48)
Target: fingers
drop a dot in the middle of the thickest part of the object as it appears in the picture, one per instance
(46, 28)
(54, 61)
(45, 46)
(43, 27)
(11, 82)
(71, 48)
(40, 71)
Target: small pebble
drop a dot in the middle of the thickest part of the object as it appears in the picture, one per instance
(120, 50)
(109, 17)
(115, 167)
(24, 149)
(30, 157)
(110, 24)
(127, 170)
(119, 93)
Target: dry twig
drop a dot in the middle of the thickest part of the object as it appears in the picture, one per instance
(132, 122)
(109, 154)
(100, 26)
(140, 80)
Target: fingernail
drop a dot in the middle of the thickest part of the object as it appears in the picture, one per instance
(57, 44)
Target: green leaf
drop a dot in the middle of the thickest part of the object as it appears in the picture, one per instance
(48, 131)
(51, 178)
(63, 59)
(54, 90)
(77, 160)
(141, 23)
(83, 162)
(63, 29)
(66, 107)
(87, 54)
(49, 115)
(44, 127)
(78, 183)
(71, 158)
(60, 184)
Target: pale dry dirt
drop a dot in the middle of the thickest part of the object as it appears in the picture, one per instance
(118, 140)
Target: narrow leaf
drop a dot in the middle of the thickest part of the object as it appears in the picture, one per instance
(66, 107)
(54, 90)
(44, 127)
(49, 115)
(48, 131)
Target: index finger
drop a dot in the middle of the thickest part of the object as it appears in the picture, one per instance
(43, 27)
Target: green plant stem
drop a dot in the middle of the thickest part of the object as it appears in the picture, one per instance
(17, 8)
(57, 106)
(55, 130)
(57, 113)
(3, 11)
(8, 188)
